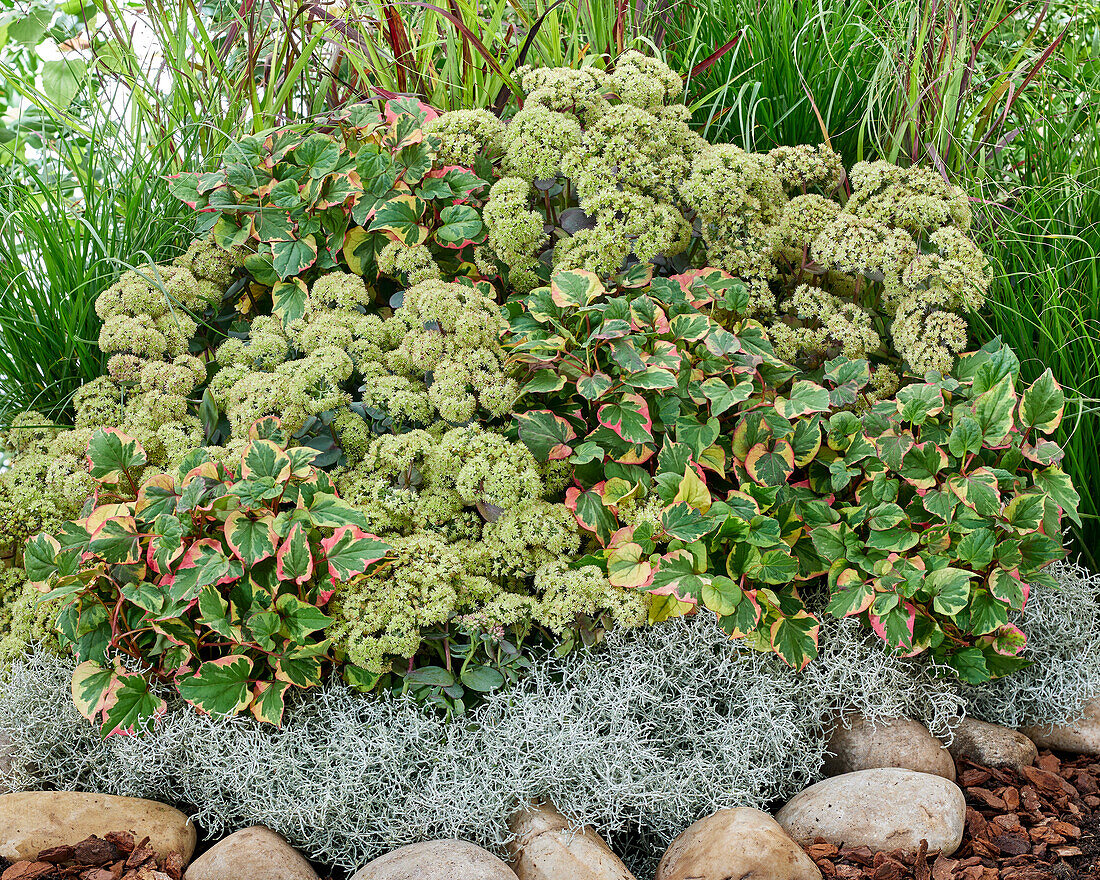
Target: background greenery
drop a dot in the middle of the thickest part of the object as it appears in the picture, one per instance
(1003, 98)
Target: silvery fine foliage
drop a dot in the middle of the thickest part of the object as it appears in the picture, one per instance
(599, 171)
(1063, 627)
(632, 738)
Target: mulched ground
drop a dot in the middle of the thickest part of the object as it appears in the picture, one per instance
(115, 856)
(1043, 824)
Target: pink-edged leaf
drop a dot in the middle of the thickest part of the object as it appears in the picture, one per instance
(251, 540)
(219, 687)
(630, 419)
(546, 434)
(351, 551)
(294, 561)
(628, 567)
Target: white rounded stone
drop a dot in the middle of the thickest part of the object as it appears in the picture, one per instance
(884, 809)
(255, 853)
(740, 842)
(437, 860)
(1081, 736)
(548, 847)
(858, 744)
(992, 745)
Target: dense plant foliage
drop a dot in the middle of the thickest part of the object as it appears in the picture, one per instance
(299, 201)
(208, 580)
(599, 170)
(709, 476)
(574, 370)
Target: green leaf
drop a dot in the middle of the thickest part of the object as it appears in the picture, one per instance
(629, 419)
(300, 618)
(794, 639)
(352, 551)
(219, 687)
(721, 595)
(91, 687)
(29, 29)
(546, 434)
(62, 79)
(697, 436)
(685, 523)
(886, 516)
(545, 382)
(722, 397)
(294, 561)
(116, 541)
(1025, 512)
(290, 258)
(950, 589)
(590, 512)
(853, 596)
(805, 398)
(431, 676)
(39, 558)
(593, 387)
(776, 567)
(289, 300)
(1057, 484)
(993, 411)
(922, 463)
(399, 218)
(691, 326)
(483, 679)
(251, 540)
(652, 379)
(149, 597)
(327, 511)
(966, 437)
(214, 613)
(628, 566)
(978, 491)
(770, 466)
(916, 403)
(132, 706)
(113, 454)
(1007, 586)
(461, 225)
(269, 701)
(976, 548)
(319, 153)
(987, 613)
(969, 665)
(1042, 404)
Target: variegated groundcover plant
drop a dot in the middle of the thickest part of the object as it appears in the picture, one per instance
(439, 393)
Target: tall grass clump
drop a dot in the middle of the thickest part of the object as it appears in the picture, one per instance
(1044, 233)
(794, 70)
(68, 228)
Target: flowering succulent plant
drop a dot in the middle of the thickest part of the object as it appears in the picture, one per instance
(207, 581)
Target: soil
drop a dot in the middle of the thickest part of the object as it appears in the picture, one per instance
(1042, 824)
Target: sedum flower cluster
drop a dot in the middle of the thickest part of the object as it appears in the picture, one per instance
(600, 171)
(150, 318)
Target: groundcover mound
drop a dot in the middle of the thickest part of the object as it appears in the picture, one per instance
(644, 735)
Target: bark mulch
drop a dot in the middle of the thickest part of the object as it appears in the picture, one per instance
(1042, 824)
(115, 856)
